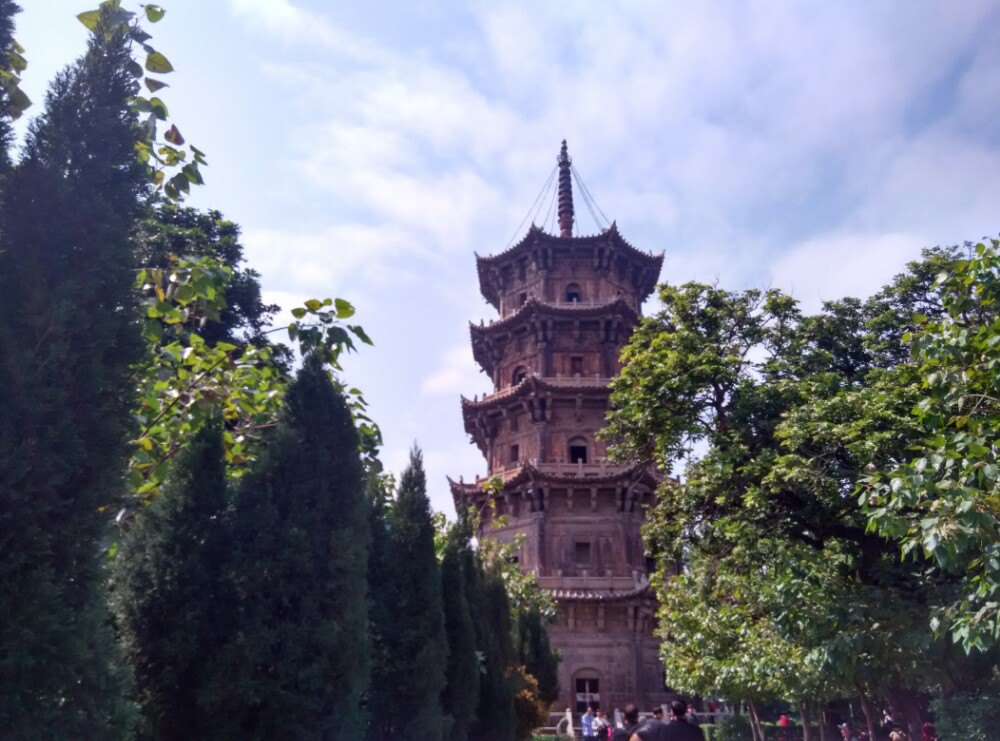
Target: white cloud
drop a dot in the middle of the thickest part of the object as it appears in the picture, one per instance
(833, 266)
(297, 26)
(813, 148)
(457, 374)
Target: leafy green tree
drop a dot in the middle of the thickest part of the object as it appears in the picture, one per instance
(942, 502)
(790, 412)
(169, 585)
(409, 676)
(68, 340)
(298, 661)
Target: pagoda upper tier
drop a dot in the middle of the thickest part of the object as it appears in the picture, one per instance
(544, 338)
(546, 267)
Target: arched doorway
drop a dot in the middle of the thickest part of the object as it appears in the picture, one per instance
(587, 689)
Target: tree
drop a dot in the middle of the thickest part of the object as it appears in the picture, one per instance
(941, 502)
(298, 661)
(461, 690)
(171, 232)
(409, 676)
(496, 718)
(168, 588)
(67, 342)
(13, 101)
(790, 411)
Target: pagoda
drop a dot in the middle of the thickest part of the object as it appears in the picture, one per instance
(567, 305)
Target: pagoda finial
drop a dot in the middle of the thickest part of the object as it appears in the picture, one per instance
(565, 193)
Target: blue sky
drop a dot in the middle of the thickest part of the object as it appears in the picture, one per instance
(368, 149)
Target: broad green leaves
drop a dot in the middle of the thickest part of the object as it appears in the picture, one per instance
(186, 381)
(12, 64)
(777, 417)
(943, 501)
(160, 156)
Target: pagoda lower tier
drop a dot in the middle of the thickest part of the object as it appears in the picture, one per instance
(577, 528)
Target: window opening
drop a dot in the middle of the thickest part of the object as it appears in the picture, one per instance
(576, 366)
(520, 373)
(577, 450)
(588, 693)
(573, 293)
(522, 299)
(581, 552)
(515, 454)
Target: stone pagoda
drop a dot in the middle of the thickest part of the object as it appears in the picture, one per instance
(567, 306)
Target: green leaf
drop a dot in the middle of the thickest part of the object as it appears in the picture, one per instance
(298, 312)
(344, 308)
(159, 109)
(157, 63)
(154, 13)
(154, 84)
(90, 19)
(314, 304)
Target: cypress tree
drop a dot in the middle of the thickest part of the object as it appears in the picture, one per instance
(411, 674)
(380, 694)
(461, 692)
(168, 587)
(536, 655)
(299, 664)
(495, 718)
(68, 338)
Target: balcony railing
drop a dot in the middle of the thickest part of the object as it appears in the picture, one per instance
(576, 381)
(511, 310)
(574, 470)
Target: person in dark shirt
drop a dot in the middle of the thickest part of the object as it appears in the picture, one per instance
(678, 729)
(631, 723)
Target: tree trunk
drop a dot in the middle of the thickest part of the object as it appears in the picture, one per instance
(866, 708)
(806, 720)
(758, 732)
(905, 707)
(822, 724)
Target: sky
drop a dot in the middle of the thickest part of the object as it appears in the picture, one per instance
(368, 150)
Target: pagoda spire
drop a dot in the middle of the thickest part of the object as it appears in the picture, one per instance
(565, 193)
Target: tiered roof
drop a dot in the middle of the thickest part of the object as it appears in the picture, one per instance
(537, 239)
(483, 334)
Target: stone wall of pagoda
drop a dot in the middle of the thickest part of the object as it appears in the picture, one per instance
(558, 275)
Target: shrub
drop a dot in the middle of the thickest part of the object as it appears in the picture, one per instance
(971, 716)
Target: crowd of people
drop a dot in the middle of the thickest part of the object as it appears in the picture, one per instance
(682, 725)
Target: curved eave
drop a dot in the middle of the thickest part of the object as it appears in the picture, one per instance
(534, 308)
(536, 236)
(600, 595)
(532, 383)
(529, 473)
(479, 334)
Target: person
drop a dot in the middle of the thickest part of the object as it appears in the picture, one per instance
(587, 721)
(631, 723)
(692, 714)
(847, 731)
(678, 729)
(928, 732)
(601, 725)
(898, 734)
